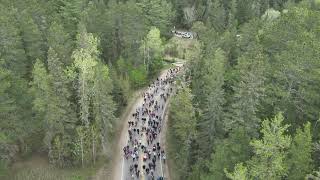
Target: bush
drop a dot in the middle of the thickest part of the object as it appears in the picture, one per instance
(138, 77)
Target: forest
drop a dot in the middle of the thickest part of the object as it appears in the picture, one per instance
(251, 107)
(247, 107)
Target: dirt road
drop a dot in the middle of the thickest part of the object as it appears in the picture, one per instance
(121, 165)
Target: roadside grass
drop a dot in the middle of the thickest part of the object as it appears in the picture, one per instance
(37, 167)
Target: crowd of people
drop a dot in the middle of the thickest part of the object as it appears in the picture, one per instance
(143, 151)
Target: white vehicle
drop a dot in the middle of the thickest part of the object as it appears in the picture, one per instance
(182, 34)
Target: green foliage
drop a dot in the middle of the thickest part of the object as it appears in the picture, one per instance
(40, 87)
(120, 91)
(210, 126)
(181, 109)
(152, 49)
(31, 38)
(61, 116)
(252, 59)
(299, 157)
(138, 76)
(248, 92)
(314, 176)
(183, 123)
(269, 159)
(12, 50)
(124, 26)
(240, 173)
(217, 17)
(158, 13)
(229, 152)
(103, 107)
(85, 59)
(60, 42)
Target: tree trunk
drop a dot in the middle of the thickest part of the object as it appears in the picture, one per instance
(81, 141)
(93, 147)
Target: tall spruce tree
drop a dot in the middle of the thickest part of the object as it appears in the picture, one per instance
(227, 153)
(12, 50)
(248, 92)
(31, 36)
(268, 161)
(61, 42)
(299, 157)
(63, 110)
(158, 13)
(210, 127)
(183, 122)
(103, 106)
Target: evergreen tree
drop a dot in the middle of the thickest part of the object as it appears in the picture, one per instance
(60, 42)
(103, 106)
(268, 161)
(32, 41)
(40, 88)
(300, 160)
(71, 13)
(183, 123)
(158, 13)
(11, 47)
(211, 125)
(240, 173)
(7, 105)
(248, 92)
(63, 115)
(217, 16)
(244, 12)
(230, 151)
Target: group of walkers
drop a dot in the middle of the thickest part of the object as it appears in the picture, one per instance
(143, 150)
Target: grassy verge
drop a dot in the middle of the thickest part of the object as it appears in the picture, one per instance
(37, 167)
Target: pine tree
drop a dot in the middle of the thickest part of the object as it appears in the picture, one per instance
(244, 12)
(240, 173)
(71, 13)
(217, 16)
(183, 124)
(31, 38)
(11, 47)
(103, 106)
(158, 13)
(43, 106)
(132, 30)
(63, 116)
(60, 42)
(40, 87)
(211, 125)
(227, 153)
(300, 160)
(269, 159)
(248, 92)
(7, 109)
